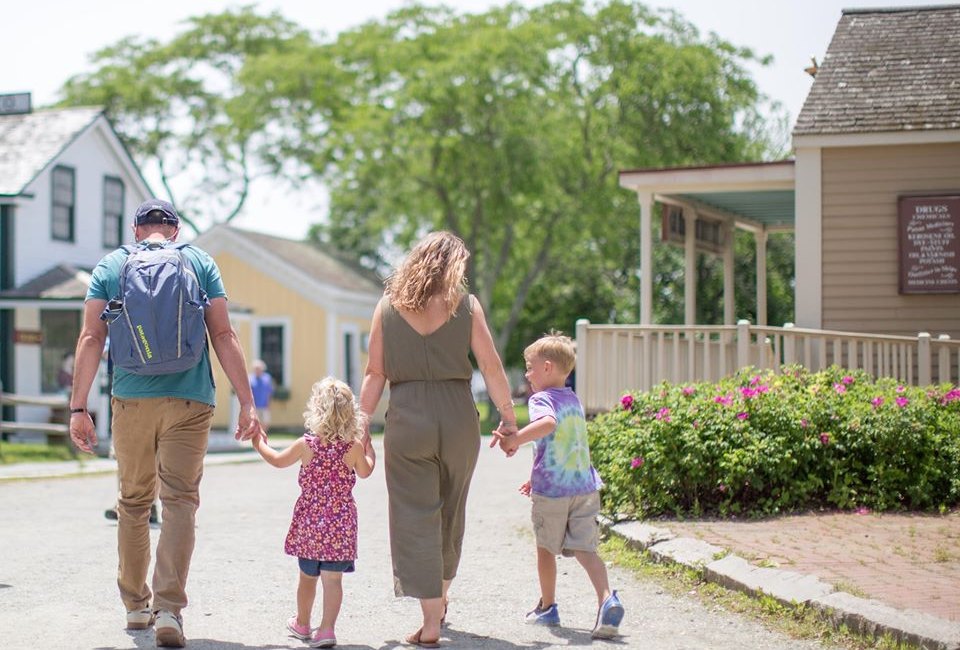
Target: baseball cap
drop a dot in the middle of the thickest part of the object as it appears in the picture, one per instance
(157, 211)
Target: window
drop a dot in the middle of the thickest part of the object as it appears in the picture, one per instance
(271, 352)
(112, 212)
(351, 356)
(63, 201)
(60, 329)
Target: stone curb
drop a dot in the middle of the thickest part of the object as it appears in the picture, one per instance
(714, 564)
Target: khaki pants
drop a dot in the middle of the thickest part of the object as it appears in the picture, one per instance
(155, 438)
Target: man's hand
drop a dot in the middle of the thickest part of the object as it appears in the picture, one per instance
(248, 424)
(82, 433)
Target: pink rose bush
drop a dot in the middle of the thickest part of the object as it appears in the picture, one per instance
(763, 443)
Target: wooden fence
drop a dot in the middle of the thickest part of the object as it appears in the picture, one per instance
(613, 359)
(59, 405)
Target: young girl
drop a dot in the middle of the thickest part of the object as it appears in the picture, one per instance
(323, 533)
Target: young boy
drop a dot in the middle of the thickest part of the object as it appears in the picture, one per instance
(563, 483)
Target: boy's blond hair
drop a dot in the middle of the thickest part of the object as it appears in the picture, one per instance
(555, 347)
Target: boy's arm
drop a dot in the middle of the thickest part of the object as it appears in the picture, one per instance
(284, 458)
(539, 428)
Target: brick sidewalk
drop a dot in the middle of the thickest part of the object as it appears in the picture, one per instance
(907, 561)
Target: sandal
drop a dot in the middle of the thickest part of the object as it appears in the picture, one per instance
(417, 639)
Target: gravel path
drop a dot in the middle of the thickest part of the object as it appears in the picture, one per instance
(58, 562)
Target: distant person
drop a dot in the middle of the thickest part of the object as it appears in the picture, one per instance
(261, 383)
(563, 484)
(161, 421)
(65, 374)
(421, 336)
(323, 533)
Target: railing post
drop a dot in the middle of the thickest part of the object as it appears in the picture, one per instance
(580, 382)
(923, 359)
(789, 345)
(943, 359)
(743, 343)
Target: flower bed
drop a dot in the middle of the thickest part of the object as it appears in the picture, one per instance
(761, 443)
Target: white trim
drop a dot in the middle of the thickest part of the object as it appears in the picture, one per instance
(874, 139)
(272, 321)
(761, 241)
(737, 178)
(808, 249)
(646, 257)
(123, 157)
(40, 303)
(350, 328)
(690, 268)
(332, 344)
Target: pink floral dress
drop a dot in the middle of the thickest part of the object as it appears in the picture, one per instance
(324, 525)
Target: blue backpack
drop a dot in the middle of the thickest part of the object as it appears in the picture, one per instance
(156, 321)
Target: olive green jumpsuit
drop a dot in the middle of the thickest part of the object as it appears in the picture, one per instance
(431, 444)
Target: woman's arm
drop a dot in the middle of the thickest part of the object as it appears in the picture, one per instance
(495, 377)
(297, 451)
(374, 377)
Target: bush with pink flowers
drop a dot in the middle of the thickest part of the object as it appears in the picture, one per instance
(761, 443)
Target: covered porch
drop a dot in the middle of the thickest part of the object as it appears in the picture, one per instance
(700, 209)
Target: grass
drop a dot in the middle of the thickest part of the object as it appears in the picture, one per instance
(798, 623)
(33, 452)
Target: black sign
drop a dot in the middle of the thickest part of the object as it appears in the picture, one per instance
(929, 244)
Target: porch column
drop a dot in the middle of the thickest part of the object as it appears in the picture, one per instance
(729, 302)
(690, 267)
(646, 257)
(761, 238)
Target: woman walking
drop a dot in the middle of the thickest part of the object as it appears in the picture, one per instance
(422, 333)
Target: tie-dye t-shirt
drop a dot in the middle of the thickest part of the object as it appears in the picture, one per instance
(561, 460)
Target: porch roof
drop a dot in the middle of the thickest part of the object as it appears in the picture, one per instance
(753, 195)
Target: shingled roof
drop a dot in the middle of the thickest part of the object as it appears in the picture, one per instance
(888, 70)
(31, 141)
(317, 261)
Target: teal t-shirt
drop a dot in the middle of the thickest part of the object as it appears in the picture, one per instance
(193, 384)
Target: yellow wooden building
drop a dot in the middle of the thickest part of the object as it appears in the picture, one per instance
(303, 310)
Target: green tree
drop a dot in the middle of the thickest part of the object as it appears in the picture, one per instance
(181, 109)
(508, 128)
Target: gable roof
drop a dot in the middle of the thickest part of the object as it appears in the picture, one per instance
(888, 70)
(315, 261)
(31, 141)
(61, 282)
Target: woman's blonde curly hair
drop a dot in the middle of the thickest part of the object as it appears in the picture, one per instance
(332, 412)
(436, 266)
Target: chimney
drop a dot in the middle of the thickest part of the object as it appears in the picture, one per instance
(15, 104)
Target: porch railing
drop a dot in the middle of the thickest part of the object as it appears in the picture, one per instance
(612, 359)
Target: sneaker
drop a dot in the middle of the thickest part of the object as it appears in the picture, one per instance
(154, 515)
(608, 618)
(110, 513)
(140, 619)
(302, 632)
(322, 639)
(169, 630)
(544, 615)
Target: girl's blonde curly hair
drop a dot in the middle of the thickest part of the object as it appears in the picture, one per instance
(436, 266)
(332, 412)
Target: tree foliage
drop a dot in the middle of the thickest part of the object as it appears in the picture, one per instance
(181, 109)
(508, 128)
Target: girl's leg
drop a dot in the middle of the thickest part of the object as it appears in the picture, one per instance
(332, 582)
(547, 572)
(432, 613)
(306, 594)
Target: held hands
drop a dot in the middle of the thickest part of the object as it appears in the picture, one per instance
(506, 436)
(82, 433)
(248, 424)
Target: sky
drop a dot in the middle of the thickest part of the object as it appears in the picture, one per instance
(47, 41)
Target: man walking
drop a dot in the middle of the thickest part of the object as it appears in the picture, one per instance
(161, 420)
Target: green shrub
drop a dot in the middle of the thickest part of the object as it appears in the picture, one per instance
(761, 443)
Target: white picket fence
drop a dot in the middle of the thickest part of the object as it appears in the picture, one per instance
(613, 359)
